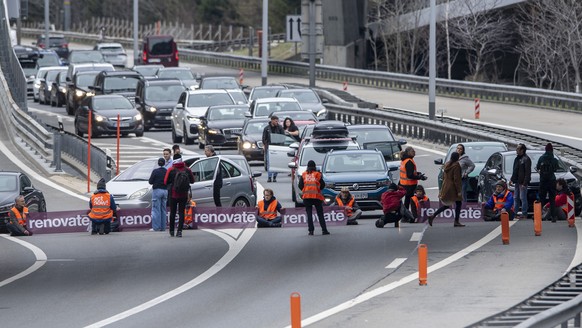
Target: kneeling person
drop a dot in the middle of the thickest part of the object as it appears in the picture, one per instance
(392, 206)
(501, 201)
(347, 201)
(268, 208)
(17, 218)
(102, 210)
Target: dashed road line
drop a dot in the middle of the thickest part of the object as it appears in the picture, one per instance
(396, 263)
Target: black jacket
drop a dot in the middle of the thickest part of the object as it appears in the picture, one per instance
(267, 133)
(157, 178)
(521, 170)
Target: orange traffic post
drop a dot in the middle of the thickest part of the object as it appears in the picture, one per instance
(477, 108)
(345, 85)
(241, 75)
(118, 135)
(295, 310)
(422, 264)
(571, 212)
(505, 227)
(89, 133)
(538, 218)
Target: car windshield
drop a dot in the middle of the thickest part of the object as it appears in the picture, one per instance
(266, 109)
(161, 46)
(180, 74)
(371, 135)
(238, 97)
(120, 84)
(8, 183)
(226, 113)
(115, 49)
(111, 103)
(265, 92)
(86, 80)
(62, 77)
(318, 152)
(209, 99)
(48, 60)
(51, 75)
(163, 92)
(301, 96)
(147, 70)
(29, 71)
(140, 171)
(219, 84)
(508, 163)
(479, 153)
(298, 116)
(85, 57)
(354, 163)
(56, 42)
(255, 127)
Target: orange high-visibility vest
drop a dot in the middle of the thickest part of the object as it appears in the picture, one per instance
(311, 185)
(20, 217)
(500, 201)
(404, 180)
(101, 206)
(350, 204)
(271, 212)
(417, 202)
(188, 216)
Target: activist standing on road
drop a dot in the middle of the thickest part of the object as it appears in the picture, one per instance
(268, 208)
(102, 210)
(217, 183)
(311, 183)
(408, 175)
(272, 128)
(451, 191)
(467, 166)
(547, 166)
(520, 178)
(17, 218)
(180, 177)
(159, 196)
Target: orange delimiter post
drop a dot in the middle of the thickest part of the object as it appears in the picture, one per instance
(422, 264)
(537, 218)
(295, 310)
(505, 228)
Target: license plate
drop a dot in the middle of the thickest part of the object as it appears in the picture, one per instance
(360, 195)
(155, 60)
(123, 125)
(167, 118)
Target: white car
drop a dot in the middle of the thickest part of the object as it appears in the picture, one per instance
(264, 107)
(191, 106)
(39, 76)
(113, 53)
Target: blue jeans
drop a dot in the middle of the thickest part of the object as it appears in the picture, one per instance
(520, 194)
(464, 187)
(159, 200)
(267, 223)
(267, 164)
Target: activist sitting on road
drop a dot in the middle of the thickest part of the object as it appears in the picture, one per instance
(268, 208)
(189, 217)
(392, 206)
(347, 201)
(102, 210)
(17, 218)
(562, 194)
(501, 201)
(417, 202)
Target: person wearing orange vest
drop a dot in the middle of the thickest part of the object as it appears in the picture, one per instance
(562, 194)
(418, 201)
(17, 218)
(346, 200)
(311, 183)
(189, 217)
(268, 208)
(102, 210)
(409, 176)
(501, 201)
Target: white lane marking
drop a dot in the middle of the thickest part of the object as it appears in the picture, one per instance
(235, 246)
(396, 263)
(416, 236)
(35, 174)
(40, 256)
(412, 277)
(578, 254)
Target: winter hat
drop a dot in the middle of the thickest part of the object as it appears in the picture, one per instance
(161, 161)
(549, 147)
(501, 183)
(177, 156)
(393, 186)
(101, 184)
(311, 164)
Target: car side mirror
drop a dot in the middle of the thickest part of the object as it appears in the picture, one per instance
(291, 153)
(256, 174)
(393, 168)
(179, 106)
(492, 171)
(573, 169)
(294, 145)
(324, 101)
(438, 161)
(27, 190)
(402, 142)
(68, 79)
(137, 99)
(248, 114)
(86, 108)
(96, 88)
(292, 165)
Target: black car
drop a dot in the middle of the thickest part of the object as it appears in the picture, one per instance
(78, 89)
(105, 109)
(250, 140)
(59, 90)
(13, 184)
(46, 85)
(221, 125)
(156, 99)
(308, 99)
(117, 82)
(265, 91)
(500, 166)
(57, 42)
(370, 136)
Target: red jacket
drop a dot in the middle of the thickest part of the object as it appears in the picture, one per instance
(391, 199)
(171, 174)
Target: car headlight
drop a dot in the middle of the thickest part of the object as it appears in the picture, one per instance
(137, 117)
(382, 183)
(62, 89)
(247, 145)
(139, 194)
(99, 118)
(80, 93)
(193, 119)
(90, 94)
(49, 87)
(322, 113)
(151, 109)
(211, 131)
(37, 85)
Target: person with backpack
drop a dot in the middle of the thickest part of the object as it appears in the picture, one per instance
(521, 178)
(546, 167)
(179, 176)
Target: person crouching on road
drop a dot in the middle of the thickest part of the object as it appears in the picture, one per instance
(268, 208)
(501, 201)
(311, 183)
(417, 202)
(159, 196)
(347, 201)
(17, 218)
(562, 194)
(102, 210)
(392, 206)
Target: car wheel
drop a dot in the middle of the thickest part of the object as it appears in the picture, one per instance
(200, 144)
(69, 110)
(175, 138)
(78, 131)
(139, 134)
(53, 104)
(42, 206)
(241, 202)
(58, 102)
(187, 140)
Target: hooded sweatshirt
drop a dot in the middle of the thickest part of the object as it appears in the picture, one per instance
(171, 174)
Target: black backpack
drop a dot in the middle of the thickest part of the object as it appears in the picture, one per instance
(547, 166)
(181, 182)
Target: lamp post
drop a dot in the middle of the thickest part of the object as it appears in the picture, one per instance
(135, 36)
(432, 62)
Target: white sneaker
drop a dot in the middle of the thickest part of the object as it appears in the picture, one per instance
(152, 229)
(519, 213)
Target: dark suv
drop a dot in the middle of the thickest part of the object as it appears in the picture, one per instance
(57, 42)
(117, 82)
(156, 99)
(78, 88)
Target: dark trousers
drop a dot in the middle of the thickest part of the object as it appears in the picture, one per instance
(458, 205)
(262, 223)
(216, 195)
(178, 204)
(96, 224)
(309, 203)
(548, 189)
(409, 193)
(15, 231)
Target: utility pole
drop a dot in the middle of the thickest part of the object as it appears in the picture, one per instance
(432, 62)
(67, 7)
(135, 34)
(265, 54)
(46, 24)
(312, 37)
